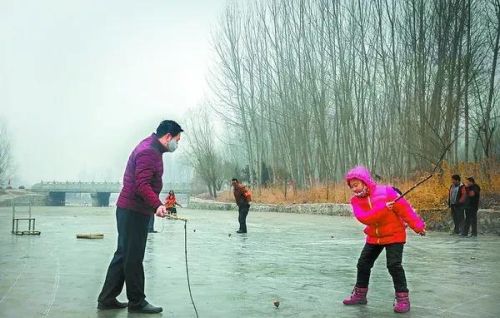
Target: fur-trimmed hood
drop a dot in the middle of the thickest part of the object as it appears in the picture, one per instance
(363, 174)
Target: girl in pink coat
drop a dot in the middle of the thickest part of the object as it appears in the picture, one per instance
(374, 206)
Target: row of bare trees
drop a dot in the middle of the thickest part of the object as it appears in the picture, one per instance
(310, 88)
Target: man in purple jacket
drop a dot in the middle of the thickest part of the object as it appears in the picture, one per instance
(137, 203)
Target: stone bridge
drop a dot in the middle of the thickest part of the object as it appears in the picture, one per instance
(99, 191)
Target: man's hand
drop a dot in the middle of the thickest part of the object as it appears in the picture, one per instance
(390, 205)
(161, 211)
(422, 233)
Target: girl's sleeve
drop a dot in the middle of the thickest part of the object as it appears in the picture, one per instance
(368, 216)
(405, 211)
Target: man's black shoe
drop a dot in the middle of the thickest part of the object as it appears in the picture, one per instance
(114, 304)
(145, 309)
(153, 231)
(240, 231)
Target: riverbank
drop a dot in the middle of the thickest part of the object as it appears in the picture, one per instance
(20, 195)
(436, 219)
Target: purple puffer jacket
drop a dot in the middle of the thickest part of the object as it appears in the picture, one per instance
(142, 181)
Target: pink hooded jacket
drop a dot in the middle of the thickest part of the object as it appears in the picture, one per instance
(383, 226)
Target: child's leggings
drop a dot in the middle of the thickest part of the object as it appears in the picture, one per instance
(394, 255)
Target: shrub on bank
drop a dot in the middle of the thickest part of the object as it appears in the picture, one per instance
(431, 195)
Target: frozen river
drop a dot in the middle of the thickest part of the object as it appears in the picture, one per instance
(307, 262)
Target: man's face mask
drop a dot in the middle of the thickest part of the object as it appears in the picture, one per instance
(172, 145)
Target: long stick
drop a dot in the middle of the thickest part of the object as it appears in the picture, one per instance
(171, 217)
(413, 187)
(438, 164)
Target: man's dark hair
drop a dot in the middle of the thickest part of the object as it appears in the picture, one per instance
(471, 179)
(234, 179)
(168, 127)
(455, 177)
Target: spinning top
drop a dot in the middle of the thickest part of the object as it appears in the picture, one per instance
(194, 230)
(276, 303)
(229, 235)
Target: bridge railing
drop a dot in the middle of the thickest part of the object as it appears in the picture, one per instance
(100, 186)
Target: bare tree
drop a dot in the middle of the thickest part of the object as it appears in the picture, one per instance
(5, 154)
(201, 151)
(489, 124)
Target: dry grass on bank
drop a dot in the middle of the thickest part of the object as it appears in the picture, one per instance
(430, 195)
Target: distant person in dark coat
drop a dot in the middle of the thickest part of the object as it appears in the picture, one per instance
(151, 225)
(242, 196)
(456, 201)
(473, 193)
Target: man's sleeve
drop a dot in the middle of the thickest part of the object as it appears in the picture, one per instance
(144, 172)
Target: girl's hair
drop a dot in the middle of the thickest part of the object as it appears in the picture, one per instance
(361, 173)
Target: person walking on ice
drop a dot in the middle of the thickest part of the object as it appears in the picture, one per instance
(243, 196)
(374, 206)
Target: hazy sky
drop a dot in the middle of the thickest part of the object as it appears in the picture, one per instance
(82, 81)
